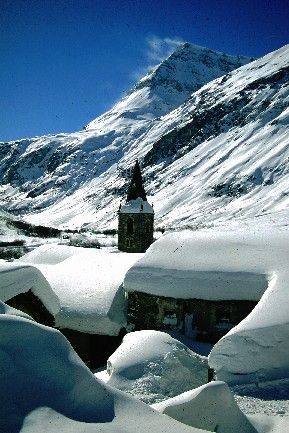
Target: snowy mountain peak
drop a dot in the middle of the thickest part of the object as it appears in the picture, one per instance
(222, 154)
(170, 83)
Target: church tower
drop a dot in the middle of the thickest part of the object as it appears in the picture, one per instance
(135, 217)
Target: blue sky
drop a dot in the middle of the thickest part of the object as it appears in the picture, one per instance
(64, 62)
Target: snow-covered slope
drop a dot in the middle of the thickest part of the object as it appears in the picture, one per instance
(169, 85)
(221, 155)
(56, 178)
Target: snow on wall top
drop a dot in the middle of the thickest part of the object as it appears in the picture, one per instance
(89, 295)
(16, 278)
(208, 265)
(137, 206)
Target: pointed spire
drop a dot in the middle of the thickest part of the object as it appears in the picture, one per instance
(136, 188)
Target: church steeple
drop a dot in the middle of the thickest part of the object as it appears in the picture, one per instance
(136, 188)
(135, 217)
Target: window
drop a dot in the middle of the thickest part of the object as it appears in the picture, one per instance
(130, 226)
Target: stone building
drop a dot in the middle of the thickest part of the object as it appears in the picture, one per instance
(197, 282)
(93, 349)
(135, 217)
(203, 319)
(73, 290)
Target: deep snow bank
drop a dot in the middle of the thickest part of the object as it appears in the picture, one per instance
(201, 265)
(211, 407)
(16, 278)
(87, 284)
(46, 387)
(217, 265)
(153, 366)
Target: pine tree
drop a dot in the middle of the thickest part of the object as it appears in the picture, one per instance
(136, 188)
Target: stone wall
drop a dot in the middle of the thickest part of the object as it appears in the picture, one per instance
(210, 319)
(30, 304)
(135, 232)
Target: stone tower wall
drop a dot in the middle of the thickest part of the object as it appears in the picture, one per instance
(135, 232)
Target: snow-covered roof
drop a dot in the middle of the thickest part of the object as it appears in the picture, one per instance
(208, 265)
(17, 277)
(81, 287)
(137, 206)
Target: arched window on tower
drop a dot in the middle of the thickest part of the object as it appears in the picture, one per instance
(148, 227)
(129, 226)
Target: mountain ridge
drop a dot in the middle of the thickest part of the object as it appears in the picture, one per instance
(207, 121)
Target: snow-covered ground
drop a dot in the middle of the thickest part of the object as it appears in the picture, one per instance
(45, 387)
(143, 367)
(210, 407)
(48, 388)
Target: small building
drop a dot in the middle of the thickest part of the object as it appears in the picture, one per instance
(135, 217)
(200, 283)
(202, 319)
(73, 290)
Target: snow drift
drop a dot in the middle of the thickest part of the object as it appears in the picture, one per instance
(211, 407)
(46, 387)
(153, 366)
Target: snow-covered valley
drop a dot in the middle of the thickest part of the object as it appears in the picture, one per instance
(149, 365)
(211, 134)
(219, 156)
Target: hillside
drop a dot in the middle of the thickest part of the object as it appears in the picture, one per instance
(222, 154)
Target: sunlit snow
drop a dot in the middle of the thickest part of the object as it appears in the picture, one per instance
(236, 265)
(76, 285)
